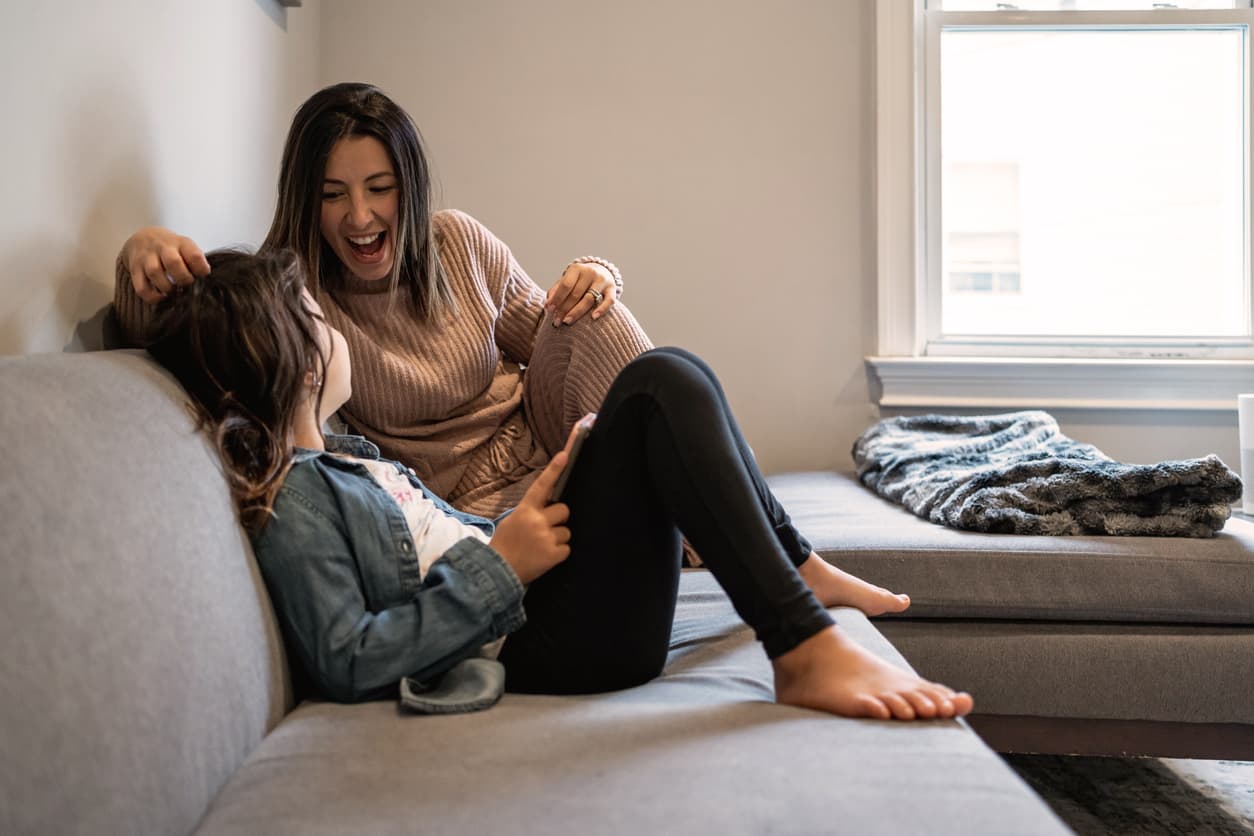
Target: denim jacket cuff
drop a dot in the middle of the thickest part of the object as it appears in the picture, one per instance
(497, 584)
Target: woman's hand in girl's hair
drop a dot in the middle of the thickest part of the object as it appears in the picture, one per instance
(534, 538)
(159, 259)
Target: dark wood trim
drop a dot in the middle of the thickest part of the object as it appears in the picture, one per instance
(1114, 738)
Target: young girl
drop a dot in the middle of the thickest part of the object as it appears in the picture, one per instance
(375, 579)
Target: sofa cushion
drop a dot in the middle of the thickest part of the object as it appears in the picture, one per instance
(961, 574)
(702, 749)
(142, 662)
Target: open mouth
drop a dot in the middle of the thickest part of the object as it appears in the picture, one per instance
(367, 247)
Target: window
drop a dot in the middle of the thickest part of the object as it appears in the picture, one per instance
(1063, 204)
(1085, 179)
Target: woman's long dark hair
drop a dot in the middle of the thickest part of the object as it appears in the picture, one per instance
(328, 116)
(241, 342)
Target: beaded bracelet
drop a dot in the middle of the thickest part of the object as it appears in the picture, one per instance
(608, 265)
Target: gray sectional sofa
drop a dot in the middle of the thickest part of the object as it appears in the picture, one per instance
(145, 688)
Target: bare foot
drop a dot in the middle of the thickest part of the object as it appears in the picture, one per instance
(830, 672)
(836, 588)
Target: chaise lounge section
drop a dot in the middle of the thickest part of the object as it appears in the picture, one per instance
(1071, 645)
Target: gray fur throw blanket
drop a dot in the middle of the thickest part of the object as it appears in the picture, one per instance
(1018, 474)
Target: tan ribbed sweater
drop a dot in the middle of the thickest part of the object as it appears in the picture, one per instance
(478, 402)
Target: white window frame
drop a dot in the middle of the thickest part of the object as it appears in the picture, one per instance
(911, 368)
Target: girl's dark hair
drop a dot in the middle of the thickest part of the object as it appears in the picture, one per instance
(241, 342)
(328, 116)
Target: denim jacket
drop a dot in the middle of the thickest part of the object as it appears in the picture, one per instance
(339, 562)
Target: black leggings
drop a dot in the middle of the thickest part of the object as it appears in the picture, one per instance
(665, 456)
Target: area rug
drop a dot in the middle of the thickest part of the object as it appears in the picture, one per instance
(1143, 795)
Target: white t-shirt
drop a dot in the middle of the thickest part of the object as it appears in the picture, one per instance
(433, 530)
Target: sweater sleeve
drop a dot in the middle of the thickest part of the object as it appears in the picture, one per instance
(134, 314)
(522, 313)
(519, 301)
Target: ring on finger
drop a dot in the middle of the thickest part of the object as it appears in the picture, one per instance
(596, 295)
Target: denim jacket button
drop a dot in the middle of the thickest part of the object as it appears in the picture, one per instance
(405, 545)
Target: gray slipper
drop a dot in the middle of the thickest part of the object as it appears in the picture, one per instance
(470, 685)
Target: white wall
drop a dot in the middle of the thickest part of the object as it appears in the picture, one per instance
(718, 150)
(128, 113)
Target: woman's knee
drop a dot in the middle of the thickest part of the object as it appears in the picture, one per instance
(617, 334)
(586, 355)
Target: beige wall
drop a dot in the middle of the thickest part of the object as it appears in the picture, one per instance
(128, 113)
(718, 151)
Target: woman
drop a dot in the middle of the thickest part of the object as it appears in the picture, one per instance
(441, 319)
(375, 580)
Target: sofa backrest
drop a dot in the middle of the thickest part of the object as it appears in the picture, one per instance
(142, 661)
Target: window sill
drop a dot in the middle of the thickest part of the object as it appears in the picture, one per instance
(1045, 383)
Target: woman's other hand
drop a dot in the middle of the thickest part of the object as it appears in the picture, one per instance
(575, 293)
(159, 259)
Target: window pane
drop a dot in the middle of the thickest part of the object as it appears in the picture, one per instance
(1081, 5)
(1092, 182)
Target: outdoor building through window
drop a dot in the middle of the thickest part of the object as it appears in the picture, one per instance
(981, 238)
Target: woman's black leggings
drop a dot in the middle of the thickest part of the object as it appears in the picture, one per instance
(665, 456)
